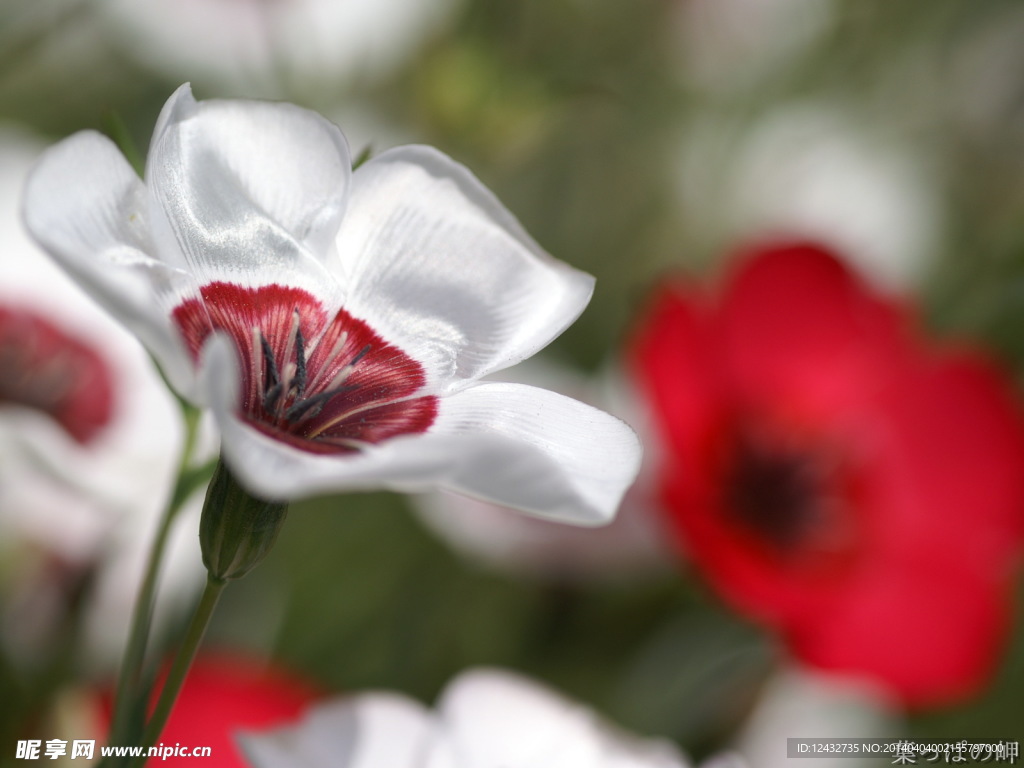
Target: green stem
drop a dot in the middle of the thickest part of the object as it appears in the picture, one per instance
(129, 699)
(180, 667)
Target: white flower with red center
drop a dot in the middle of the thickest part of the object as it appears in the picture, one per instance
(484, 719)
(337, 322)
(46, 369)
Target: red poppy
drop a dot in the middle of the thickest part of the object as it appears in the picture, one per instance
(836, 476)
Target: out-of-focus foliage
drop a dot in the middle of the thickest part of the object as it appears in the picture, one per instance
(630, 140)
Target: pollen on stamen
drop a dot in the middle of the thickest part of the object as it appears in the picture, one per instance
(288, 375)
(293, 333)
(256, 356)
(300, 364)
(328, 362)
(346, 371)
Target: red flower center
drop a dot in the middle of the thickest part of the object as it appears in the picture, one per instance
(43, 368)
(796, 501)
(325, 384)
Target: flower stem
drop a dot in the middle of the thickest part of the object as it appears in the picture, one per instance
(129, 701)
(182, 664)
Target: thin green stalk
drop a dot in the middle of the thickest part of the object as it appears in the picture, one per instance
(129, 698)
(180, 667)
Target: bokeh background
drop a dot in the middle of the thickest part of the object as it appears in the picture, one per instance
(633, 140)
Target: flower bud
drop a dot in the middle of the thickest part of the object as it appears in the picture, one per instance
(237, 529)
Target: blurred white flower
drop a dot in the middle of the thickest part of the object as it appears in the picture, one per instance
(631, 546)
(820, 172)
(806, 705)
(484, 719)
(266, 47)
(338, 323)
(729, 44)
(87, 502)
(981, 87)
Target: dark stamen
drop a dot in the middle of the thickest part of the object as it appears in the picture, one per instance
(362, 353)
(268, 357)
(271, 397)
(300, 409)
(273, 389)
(300, 363)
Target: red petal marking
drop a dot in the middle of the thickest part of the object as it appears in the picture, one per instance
(44, 368)
(373, 382)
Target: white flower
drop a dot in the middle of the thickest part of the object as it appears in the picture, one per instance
(342, 320)
(267, 46)
(484, 719)
(81, 485)
(807, 705)
(820, 171)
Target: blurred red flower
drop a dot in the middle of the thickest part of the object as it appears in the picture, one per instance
(836, 476)
(44, 368)
(223, 694)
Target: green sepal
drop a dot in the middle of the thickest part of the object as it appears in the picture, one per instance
(237, 529)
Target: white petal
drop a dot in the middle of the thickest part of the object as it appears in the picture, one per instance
(87, 208)
(98, 501)
(518, 446)
(496, 719)
(558, 458)
(435, 263)
(485, 719)
(372, 730)
(630, 752)
(488, 533)
(798, 703)
(246, 191)
(631, 546)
